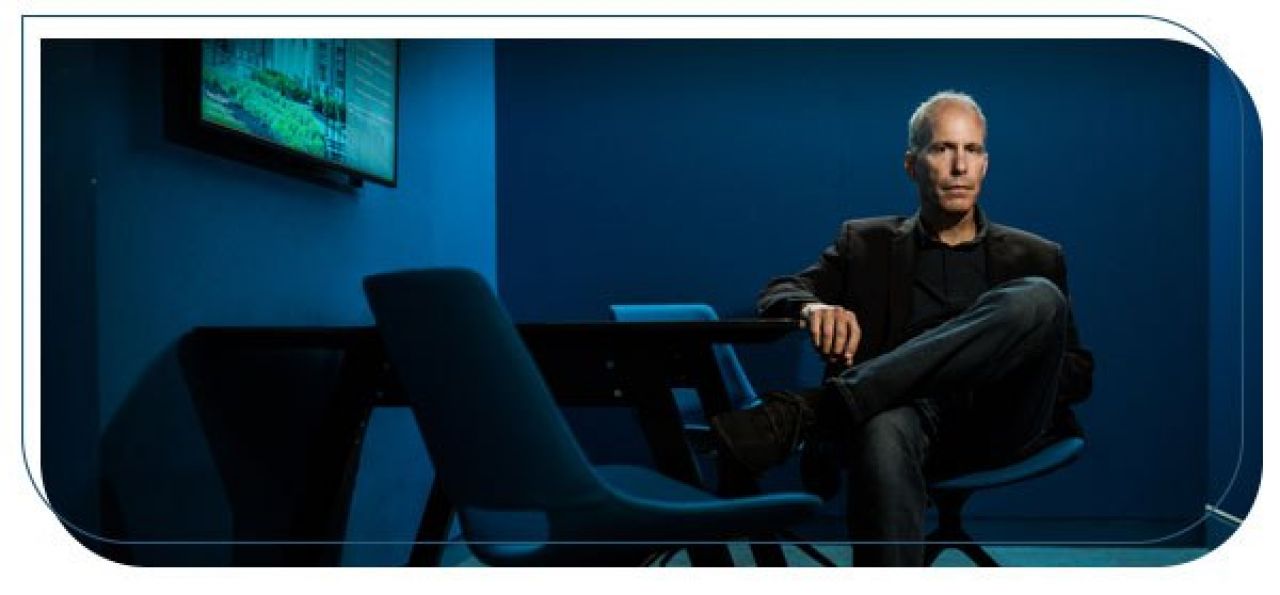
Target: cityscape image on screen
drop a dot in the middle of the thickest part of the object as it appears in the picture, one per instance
(331, 99)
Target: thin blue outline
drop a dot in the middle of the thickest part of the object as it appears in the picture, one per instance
(1236, 86)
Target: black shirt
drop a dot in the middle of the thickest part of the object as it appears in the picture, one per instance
(948, 279)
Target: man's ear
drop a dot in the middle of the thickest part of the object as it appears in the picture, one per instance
(909, 164)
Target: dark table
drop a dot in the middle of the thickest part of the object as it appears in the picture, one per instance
(630, 364)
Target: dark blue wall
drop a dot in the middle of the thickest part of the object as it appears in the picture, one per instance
(695, 170)
(151, 239)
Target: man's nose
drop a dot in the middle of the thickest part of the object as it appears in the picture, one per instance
(960, 163)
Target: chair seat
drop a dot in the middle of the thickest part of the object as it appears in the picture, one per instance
(642, 482)
(1046, 460)
(649, 507)
(657, 494)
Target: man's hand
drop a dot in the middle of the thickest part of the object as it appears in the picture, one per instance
(834, 330)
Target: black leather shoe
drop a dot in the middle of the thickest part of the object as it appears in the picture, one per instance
(765, 435)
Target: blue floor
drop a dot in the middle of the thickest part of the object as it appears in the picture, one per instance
(1029, 556)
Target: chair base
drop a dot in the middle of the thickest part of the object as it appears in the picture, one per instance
(950, 532)
(808, 549)
(961, 542)
(770, 555)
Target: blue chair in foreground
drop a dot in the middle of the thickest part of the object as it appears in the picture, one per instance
(950, 495)
(506, 459)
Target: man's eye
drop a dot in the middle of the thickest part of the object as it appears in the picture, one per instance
(977, 150)
(937, 149)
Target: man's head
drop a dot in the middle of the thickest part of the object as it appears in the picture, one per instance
(947, 153)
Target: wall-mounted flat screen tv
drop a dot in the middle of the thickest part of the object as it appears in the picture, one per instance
(329, 100)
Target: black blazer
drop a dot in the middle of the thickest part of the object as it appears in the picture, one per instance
(869, 269)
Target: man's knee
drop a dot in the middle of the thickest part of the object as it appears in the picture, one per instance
(1033, 301)
(890, 438)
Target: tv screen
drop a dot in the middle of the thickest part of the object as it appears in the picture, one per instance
(333, 100)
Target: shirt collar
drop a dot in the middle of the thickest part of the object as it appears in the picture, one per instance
(924, 238)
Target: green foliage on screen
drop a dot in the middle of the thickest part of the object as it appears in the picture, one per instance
(274, 104)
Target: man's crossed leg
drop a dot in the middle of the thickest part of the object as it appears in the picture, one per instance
(980, 386)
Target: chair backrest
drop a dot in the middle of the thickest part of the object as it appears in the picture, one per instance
(736, 384)
(494, 432)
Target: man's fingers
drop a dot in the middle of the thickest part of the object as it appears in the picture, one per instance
(840, 335)
(815, 329)
(835, 333)
(828, 330)
(855, 337)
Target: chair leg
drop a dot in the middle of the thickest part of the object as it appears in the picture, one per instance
(932, 551)
(950, 532)
(663, 558)
(768, 555)
(710, 555)
(816, 555)
(979, 555)
(961, 541)
(807, 548)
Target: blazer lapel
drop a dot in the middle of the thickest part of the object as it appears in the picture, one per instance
(901, 267)
(998, 257)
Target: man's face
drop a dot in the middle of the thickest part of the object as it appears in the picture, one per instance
(948, 170)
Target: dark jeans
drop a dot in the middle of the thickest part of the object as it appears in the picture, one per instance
(973, 392)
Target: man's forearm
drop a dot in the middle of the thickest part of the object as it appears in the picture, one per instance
(784, 298)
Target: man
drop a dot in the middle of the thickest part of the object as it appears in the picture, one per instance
(949, 339)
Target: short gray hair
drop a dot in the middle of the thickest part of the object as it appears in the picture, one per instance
(918, 127)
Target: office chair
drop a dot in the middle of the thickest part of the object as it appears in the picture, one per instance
(737, 386)
(506, 459)
(950, 495)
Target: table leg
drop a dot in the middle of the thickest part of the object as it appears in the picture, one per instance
(648, 391)
(433, 529)
(334, 460)
(734, 480)
(645, 388)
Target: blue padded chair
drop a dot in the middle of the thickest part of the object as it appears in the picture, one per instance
(949, 496)
(506, 459)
